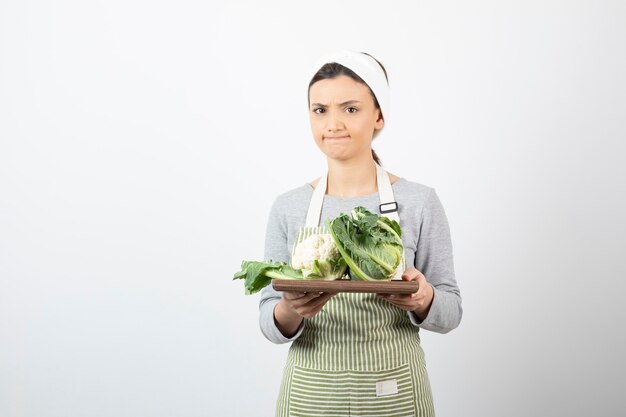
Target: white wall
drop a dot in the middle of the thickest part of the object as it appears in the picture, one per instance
(142, 143)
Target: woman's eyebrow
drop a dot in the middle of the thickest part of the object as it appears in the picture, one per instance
(345, 103)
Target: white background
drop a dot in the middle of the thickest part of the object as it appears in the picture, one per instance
(143, 142)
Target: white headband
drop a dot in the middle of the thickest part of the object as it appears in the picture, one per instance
(365, 67)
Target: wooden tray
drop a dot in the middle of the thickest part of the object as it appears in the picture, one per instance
(344, 285)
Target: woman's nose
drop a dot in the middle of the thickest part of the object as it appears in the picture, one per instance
(334, 122)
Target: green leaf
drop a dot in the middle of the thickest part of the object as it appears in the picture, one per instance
(259, 274)
(370, 244)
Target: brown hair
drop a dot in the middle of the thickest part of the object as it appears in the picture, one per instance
(334, 70)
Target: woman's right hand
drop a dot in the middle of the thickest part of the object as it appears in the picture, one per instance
(305, 304)
(294, 306)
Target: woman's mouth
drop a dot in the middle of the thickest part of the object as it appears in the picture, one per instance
(332, 138)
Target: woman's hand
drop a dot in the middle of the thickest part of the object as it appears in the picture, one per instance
(305, 304)
(418, 302)
(294, 306)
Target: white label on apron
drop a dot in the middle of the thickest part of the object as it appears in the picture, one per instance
(389, 387)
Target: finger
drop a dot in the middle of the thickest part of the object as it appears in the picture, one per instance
(405, 304)
(402, 300)
(397, 296)
(310, 311)
(314, 306)
(308, 297)
(402, 297)
(395, 304)
(328, 295)
(319, 301)
(411, 274)
(422, 286)
(293, 295)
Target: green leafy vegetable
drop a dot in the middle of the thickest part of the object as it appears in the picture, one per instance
(259, 274)
(370, 244)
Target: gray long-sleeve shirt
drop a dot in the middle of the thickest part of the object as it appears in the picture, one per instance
(425, 234)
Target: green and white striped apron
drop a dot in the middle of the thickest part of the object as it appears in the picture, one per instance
(359, 356)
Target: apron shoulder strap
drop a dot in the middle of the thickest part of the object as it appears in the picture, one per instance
(317, 200)
(388, 205)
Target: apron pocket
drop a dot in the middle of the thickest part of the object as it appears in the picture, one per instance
(385, 393)
(317, 392)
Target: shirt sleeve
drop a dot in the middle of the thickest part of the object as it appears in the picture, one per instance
(434, 259)
(275, 249)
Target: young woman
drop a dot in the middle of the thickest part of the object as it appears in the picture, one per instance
(358, 354)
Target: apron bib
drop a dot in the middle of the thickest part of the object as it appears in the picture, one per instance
(359, 355)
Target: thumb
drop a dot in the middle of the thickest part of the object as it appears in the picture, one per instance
(410, 274)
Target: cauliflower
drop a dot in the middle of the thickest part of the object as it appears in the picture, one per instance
(318, 257)
(314, 248)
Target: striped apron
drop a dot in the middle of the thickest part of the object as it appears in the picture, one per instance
(359, 356)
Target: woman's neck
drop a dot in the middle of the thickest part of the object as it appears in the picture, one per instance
(352, 178)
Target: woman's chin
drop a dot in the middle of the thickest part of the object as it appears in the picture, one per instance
(337, 155)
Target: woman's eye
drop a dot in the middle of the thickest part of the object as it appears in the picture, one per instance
(351, 109)
(318, 110)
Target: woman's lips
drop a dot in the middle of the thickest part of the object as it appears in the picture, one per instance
(336, 137)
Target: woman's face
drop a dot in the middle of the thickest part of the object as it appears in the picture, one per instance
(343, 117)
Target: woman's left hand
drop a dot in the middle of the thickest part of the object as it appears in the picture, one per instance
(418, 302)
